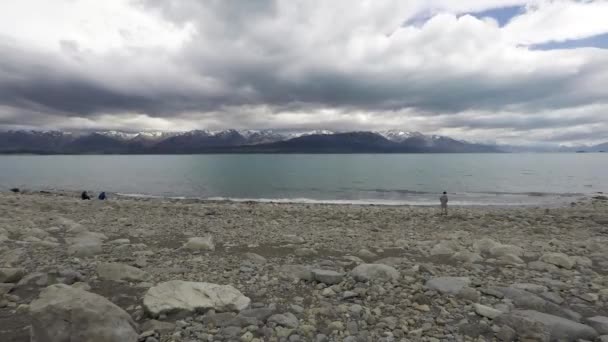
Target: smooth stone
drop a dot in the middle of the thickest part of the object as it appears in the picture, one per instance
(293, 239)
(558, 259)
(327, 277)
(11, 275)
(448, 285)
(501, 250)
(599, 323)
(65, 314)
(200, 243)
(296, 272)
(487, 311)
(374, 272)
(178, 295)
(255, 258)
(287, 320)
(304, 252)
(558, 328)
(118, 272)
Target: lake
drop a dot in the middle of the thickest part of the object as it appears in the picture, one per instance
(418, 179)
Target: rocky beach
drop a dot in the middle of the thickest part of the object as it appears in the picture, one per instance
(156, 270)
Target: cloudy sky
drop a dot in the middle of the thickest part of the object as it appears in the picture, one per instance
(504, 71)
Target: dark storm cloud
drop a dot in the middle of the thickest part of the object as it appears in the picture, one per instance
(241, 56)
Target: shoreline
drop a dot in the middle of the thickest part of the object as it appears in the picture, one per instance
(554, 200)
(463, 277)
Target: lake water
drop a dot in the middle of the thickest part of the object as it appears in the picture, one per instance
(470, 179)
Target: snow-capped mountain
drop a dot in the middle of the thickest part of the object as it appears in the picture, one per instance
(118, 135)
(230, 141)
(399, 136)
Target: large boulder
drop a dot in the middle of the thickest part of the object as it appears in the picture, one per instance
(287, 320)
(445, 248)
(118, 272)
(11, 275)
(12, 257)
(501, 250)
(599, 323)
(374, 272)
(530, 323)
(558, 259)
(293, 239)
(484, 245)
(448, 285)
(327, 277)
(185, 296)
(86, 244)
(296, 272)
(486, 311)
(66, 314)
(200, 243)
(530, 301)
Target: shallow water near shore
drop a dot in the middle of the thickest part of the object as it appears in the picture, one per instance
(410, 179)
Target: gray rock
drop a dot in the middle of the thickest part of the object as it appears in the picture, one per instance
(558, 259)
(374, 272)
(448, 285)
(467, 257)
(444, 248)
(255, 258)
(296, 272)
(534, 288)
(120, 242)
(86, 244)
(11, 275)
(506, 334)
(200, 243)
(366, 254)
(304, 252)
(185, 296)
(118, 272)
(293, 239)
(487, 311)
(469, 294)
(287, 320)
(261, 314)
(65, 314)
(5, 288)
(11, 257)
(527, 300)
(557, 328)
(484, 245)
(552, 297)
(327, 277)
(391, 261)
(599, 323)
(501, 250)
(349, 294)
(541, 266)
(510, 259)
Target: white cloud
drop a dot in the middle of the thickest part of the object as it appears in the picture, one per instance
(558, 20)
(181, 64)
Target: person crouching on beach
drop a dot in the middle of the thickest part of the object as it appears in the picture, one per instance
(444, 203)
(85, 196)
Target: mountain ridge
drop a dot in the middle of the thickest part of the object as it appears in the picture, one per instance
(239, 141)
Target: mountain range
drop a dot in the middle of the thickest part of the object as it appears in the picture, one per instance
(232, 141)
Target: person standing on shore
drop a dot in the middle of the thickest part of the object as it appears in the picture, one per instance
(444, 203)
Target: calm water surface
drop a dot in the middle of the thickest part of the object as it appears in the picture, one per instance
(471, 179)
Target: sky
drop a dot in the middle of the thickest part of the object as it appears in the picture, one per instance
(497, 71)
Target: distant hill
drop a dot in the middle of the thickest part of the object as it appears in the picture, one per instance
(232, 141)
